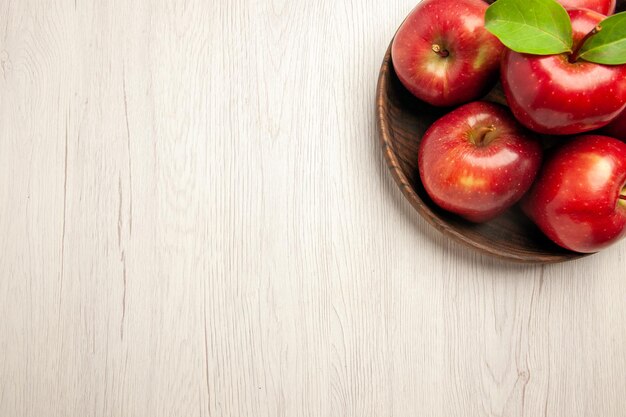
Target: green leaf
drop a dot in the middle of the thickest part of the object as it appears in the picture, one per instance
(609, 45)
(539, 27)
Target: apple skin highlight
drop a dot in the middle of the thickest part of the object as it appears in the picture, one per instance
(575, 200)
(605, 7)
(443, 54)
(550, 95)
(477, 161)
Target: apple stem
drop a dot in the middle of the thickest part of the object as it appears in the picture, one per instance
(440, 51)
(622, 197)
(576, 52)
(481, 135)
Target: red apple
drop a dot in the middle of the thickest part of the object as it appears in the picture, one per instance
(617, 128)
(579, 199)
(606, 7)
(477, 161)
(560, 95)
(443, 54)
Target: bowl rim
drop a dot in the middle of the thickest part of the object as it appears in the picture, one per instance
(385, 134)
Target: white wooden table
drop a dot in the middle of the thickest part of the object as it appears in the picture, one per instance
(196, 220)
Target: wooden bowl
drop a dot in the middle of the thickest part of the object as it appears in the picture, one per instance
(402, 121)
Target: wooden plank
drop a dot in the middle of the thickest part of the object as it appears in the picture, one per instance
(196, 219)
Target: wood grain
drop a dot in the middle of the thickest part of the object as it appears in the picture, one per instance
(196, 220)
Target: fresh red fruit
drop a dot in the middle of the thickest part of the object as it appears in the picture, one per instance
(550, 94)
(606, 7)
(617, 128)
(443, 54)
(578, 199)
(477, 161)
